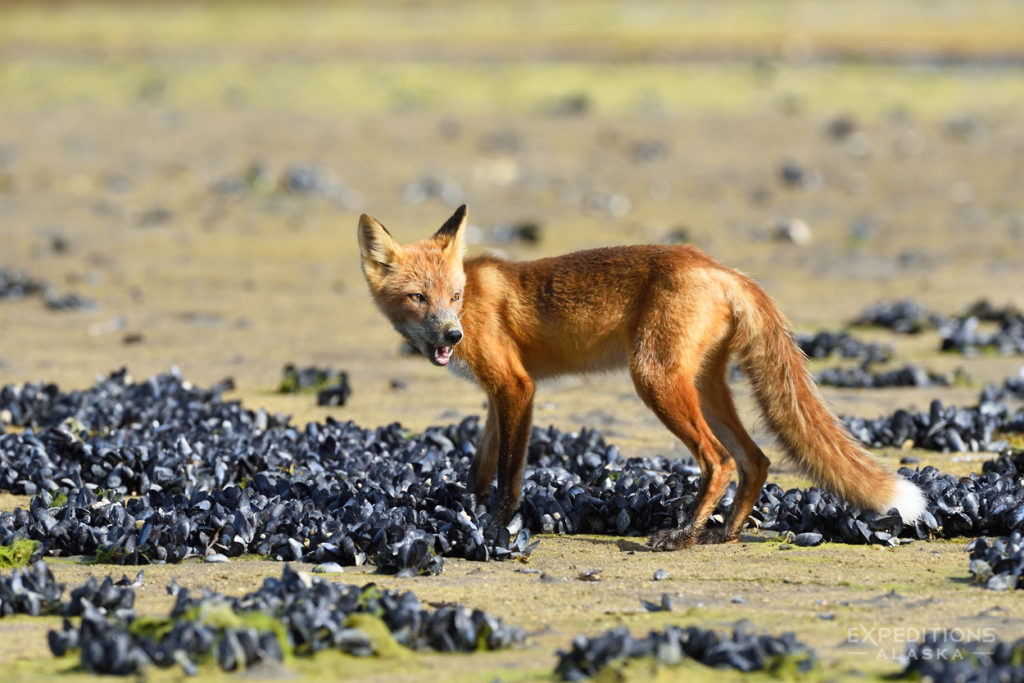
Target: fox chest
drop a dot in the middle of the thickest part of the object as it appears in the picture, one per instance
(459, 367)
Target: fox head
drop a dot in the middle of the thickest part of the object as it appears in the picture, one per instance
(418, 286)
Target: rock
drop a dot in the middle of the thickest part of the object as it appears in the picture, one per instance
(744, 650)
(313, 613)
(808, 538)
(794, 231)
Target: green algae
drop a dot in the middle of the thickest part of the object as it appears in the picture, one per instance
(381, 638)
(17, 554)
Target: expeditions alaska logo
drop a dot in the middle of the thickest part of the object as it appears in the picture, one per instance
(890, 643)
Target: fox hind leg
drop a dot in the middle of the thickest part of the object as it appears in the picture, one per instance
(673, 397)
(752, 464)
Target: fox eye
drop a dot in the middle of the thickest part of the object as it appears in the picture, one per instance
(417, 297)
(456, 296)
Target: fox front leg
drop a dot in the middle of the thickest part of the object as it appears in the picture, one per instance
(514, 411)
(485, 463)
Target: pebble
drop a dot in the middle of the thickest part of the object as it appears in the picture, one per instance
(998, 563)
(948, 658)
(943, 428)
(957, 333)
(14, 284)
(743, 650)
(905, 316)
(793, 230)
(808, 538)
(860, 377)
(315, 615)
(312, 378)
(824, 344)
(307, 179)
(153, 471)
(29, 590)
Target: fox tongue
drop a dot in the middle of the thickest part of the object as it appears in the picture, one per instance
(442, 354)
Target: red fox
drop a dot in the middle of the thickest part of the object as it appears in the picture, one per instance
(672, 315)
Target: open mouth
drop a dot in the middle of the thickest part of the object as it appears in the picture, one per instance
(440, 355)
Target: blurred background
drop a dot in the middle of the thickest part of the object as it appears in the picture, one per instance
(180, 182)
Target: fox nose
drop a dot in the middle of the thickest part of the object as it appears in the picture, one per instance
(453, 336)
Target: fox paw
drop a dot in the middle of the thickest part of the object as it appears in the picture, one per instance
(720, 535)
(672, 539)
(503, 516)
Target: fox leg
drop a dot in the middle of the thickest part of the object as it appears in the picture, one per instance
(672, 395)
(720, 414)
(485, 464)
(513, 407)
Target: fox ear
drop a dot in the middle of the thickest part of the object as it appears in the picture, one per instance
(450, 235)
(376, 245)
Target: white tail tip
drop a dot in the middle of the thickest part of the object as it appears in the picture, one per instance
(909, 500)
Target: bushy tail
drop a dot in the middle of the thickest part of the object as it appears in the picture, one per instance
(794, 409)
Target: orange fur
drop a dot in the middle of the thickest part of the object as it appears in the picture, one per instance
(671, 315)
